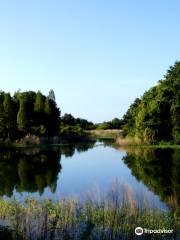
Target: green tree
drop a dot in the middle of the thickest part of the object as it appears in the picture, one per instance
(39, 113)
(68, 119)
(22, 117)
(28, 112)
(52, 117)
(51, 96)
(10, 115)
(3, 118)
(156, 116)
(128, 121)
(3, 121)
(39, 103)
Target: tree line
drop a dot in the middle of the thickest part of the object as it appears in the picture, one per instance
(69, 120)
(115, 123)
(32, 113)
(155, 117)
(28, 112)
(160, 173)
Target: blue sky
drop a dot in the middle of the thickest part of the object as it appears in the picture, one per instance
(97, 55)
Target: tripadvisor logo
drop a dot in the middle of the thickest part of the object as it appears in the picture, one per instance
(139, 231)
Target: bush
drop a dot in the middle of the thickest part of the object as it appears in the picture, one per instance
(29, 140)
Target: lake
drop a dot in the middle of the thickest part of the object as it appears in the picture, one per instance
(94, 168)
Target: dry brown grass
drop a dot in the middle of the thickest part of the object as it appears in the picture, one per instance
(109, 133)
(128, 141)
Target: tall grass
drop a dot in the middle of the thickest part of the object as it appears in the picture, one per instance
(128, 141)
(108, 133)
(114, 216)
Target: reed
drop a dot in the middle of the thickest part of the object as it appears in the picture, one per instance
(105, 134)
(128, 141)
(114, 216)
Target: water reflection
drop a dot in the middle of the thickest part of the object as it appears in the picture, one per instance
(38, 170)
(29, 170)
(33, 169)
(159, 170)
(69, 149)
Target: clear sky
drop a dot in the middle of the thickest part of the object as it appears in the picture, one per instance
(97, 55)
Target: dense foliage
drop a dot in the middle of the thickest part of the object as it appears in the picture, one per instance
(115, 123)
(74, 129)
(28, 113)
(156, 116)
(69, 120)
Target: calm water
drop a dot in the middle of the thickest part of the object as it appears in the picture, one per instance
(77, 169)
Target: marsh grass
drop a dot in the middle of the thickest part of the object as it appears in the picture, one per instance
(105, 134)
(128, 141)
(113, 217)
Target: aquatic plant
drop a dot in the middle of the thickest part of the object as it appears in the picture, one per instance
(114, 216)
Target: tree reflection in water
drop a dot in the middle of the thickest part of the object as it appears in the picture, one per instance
(34, 169)
(159, 170)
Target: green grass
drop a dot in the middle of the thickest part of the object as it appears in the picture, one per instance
(114, 217)
(132, 141)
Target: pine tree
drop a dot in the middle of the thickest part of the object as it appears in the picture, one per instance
(48, 112)
(52, 117)
(39, 103)
(9, 114)
(51, 96)
(22, 119)
(39, 118)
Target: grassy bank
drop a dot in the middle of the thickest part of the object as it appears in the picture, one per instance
(116, 217)
(36, 141)
(105, 134)
(130, 141)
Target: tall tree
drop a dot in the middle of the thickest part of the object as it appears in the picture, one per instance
(10, 115)
(39, 102)
(156, 117)
(51, 95)
(3, 118)
(39, 109)
(52, 117)
(22, 118)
